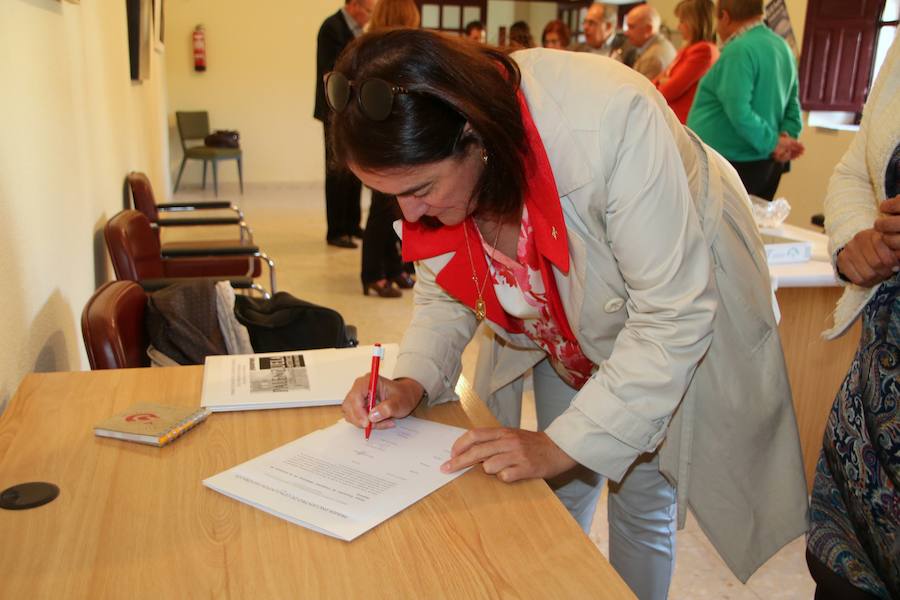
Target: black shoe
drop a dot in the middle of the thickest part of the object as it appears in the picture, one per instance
(385, 291)
(342, 241)
(404, 280)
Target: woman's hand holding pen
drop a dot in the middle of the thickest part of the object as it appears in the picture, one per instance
(510, 454)
(396, 399)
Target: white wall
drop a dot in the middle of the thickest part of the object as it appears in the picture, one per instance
(73, 124)
(260, 80)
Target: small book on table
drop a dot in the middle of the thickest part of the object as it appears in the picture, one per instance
(153, 424)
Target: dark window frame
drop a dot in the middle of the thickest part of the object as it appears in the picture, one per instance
(837, 59)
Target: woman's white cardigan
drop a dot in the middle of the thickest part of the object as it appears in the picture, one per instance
(857, 186)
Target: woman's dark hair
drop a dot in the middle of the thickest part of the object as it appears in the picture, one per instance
(520, 35)
(451, 82)
(560, 29)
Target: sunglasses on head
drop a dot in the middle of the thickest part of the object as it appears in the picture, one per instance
(375, 96)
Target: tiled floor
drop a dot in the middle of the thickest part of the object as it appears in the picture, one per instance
(289, 224)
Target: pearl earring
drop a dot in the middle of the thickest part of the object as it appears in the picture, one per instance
(484, 155)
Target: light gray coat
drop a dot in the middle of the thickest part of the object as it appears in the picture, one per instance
(667, 292)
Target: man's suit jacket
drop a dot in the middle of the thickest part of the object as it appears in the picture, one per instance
(613, 49)
(654, 60)
(665, 265)
(334, 36)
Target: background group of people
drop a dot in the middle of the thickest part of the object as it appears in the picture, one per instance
(753, 122)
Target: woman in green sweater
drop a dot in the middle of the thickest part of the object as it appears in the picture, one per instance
(747, 106)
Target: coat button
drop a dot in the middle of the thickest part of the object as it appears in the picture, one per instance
(613, 305)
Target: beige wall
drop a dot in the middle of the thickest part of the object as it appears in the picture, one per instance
(260, 80)
(73, 124)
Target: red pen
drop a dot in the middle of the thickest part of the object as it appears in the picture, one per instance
(377, 355)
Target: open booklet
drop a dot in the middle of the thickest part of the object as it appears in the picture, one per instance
(287, 379)
(336, 482)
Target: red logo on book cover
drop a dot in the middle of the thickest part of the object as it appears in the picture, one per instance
(142, 417)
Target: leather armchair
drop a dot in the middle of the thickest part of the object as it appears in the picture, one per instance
(112, 325)
(135, 253)
(145, 201)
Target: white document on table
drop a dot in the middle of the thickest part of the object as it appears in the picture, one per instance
(289, 379)
(336, 482)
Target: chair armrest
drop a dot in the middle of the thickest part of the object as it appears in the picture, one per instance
(193, 221)
(183, 207)
(240, 283)
(208, 248)
(195, 205)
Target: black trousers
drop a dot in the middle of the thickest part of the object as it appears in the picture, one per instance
(830, 585)
(380, 253)
(761, 177)
(342, 204)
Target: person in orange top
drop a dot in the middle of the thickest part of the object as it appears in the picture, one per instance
(678, 83)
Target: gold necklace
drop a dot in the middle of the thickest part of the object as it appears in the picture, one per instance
(480, 308)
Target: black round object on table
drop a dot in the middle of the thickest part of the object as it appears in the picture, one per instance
(28, 495)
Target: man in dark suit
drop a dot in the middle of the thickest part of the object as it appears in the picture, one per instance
(342, 204)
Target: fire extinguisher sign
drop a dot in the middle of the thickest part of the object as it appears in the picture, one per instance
(199, 45)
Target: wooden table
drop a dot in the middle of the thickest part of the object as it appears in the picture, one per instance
(134, 521)
(807, 294)
(816, 367)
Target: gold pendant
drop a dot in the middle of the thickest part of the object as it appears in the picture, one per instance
(480, 309)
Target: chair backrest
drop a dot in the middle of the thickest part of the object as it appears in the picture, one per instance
(112, 325)
(142, 195)
(133, 246)
(192, 125)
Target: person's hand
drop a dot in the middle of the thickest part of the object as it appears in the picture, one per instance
(796, 148)
(889, 224)
(782, 151)
(396, 399)
(510, 454)
(867, 260)
(787, 148)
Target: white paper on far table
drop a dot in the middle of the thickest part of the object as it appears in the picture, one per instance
(287, 379)
(336, 482)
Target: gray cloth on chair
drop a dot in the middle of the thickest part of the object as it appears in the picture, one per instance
(185, 324)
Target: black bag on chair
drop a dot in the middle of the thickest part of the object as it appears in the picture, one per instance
(284, 323)
(223, 138)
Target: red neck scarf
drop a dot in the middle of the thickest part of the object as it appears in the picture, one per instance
(545, 210)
